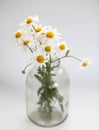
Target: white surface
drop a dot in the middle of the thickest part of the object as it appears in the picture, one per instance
(83, 111)
(78, 23)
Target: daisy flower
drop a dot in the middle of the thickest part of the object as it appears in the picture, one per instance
(38, 33)
(38, 28)
(30, 22)
(61, 49)
(84, 63)
(50, 49)
(50, 34)
(39, 58)
(19, 35)
(24, 41)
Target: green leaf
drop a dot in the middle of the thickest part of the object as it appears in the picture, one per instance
(53, 74)
(38, 77)
(40, 90)
(40, 103)
(62, 108)
(60, 98)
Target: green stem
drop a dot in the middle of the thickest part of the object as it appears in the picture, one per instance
(24, 70)
(58, 59)
(74, 57)
(29, 48)
(33, 27)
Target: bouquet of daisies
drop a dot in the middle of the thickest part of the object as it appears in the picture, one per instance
(46, 47)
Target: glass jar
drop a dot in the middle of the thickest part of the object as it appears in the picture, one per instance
(47, 100)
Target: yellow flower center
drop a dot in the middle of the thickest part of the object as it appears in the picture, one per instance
(18, 34)
(29, 20)
(40, 58)
(85, 63)
(38, 29)
(62, 46)
(48, 48)
(26, 41)
(50, 34)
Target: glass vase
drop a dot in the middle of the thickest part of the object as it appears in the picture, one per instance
(47, 95)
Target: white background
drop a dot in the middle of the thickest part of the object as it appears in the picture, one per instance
(78, 23)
